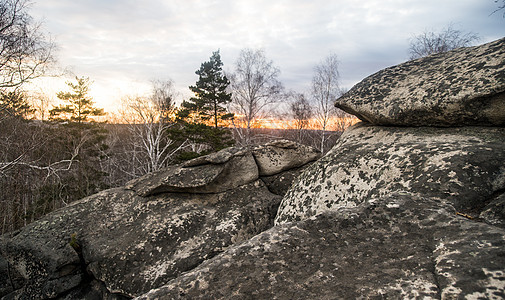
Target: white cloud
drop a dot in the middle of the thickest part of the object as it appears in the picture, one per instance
(135, 41)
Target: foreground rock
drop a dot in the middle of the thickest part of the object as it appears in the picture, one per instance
(462, 165)
(282, 155)
(123, 242)
(461, 87)
(133, 244)
(395, 247)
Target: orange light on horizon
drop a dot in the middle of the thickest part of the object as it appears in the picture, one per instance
(337, 123)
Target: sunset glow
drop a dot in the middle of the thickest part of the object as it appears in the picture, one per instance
(123, 45)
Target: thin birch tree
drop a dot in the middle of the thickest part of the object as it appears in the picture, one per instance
(254, 86)
(325, 90)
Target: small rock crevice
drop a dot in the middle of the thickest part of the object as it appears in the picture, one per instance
(433, 270)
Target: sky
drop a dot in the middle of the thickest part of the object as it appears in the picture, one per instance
(123, 45)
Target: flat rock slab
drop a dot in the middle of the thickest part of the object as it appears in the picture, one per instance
(127, 243)
(396, 247)
(213, 173)
(464, 166)
(465, 86)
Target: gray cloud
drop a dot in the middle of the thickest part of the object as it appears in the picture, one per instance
(135, 41)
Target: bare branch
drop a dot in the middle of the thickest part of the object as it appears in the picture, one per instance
(254, 86)
(25, 52)
(430, 42)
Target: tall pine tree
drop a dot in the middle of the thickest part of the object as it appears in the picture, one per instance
(79, 105)
(201, 116)
(80, 140)
(208, 104)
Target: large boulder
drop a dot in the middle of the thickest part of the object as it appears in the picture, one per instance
(463, 165)
(461, 87)
(226, 169)
(395, 247)
(213, 173)
(123, 242)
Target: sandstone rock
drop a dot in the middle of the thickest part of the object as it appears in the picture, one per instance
(124, 242)
(397, 247)
(461, 87)
(461, 165)
(213, 173)
(282, 155)
(132, 243)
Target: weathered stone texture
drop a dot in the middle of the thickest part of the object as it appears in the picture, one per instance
(282, 155)
(123, 242)
(396, 247)
(213, 173)
(226, 169)
(462, 165)
(131, 243)
(461, 87)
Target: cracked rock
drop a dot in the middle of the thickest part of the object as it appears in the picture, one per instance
(463, 165)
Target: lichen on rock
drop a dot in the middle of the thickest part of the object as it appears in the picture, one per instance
(461, 165)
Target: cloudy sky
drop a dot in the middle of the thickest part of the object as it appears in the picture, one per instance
(124, 44)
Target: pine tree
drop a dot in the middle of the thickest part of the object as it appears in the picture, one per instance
(211, 96)
(80, 140)
(79, 105)
(14, 104)
(200, 117)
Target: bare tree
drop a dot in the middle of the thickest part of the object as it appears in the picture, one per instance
(25, 52)
(40, 102)
(325, 89)
(301, 112)
(500, 6)
(148, 119)
(430, 42)
(254, 87)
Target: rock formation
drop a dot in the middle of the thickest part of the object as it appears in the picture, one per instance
(462, 165)
(465, 86)
(412, 211)
(394, 247)
(408, 204)
(123, 242)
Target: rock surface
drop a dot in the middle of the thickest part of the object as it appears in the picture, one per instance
(124, 242)
(282, 155)
(213, 173)
(226, 169)
(396, 247)
(131, 243)
(462, 165)
(465, 86)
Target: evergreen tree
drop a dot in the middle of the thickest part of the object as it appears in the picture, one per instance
(205, 108)
(80, 140)
(210, 99)
(79, 105)
(14, 104)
